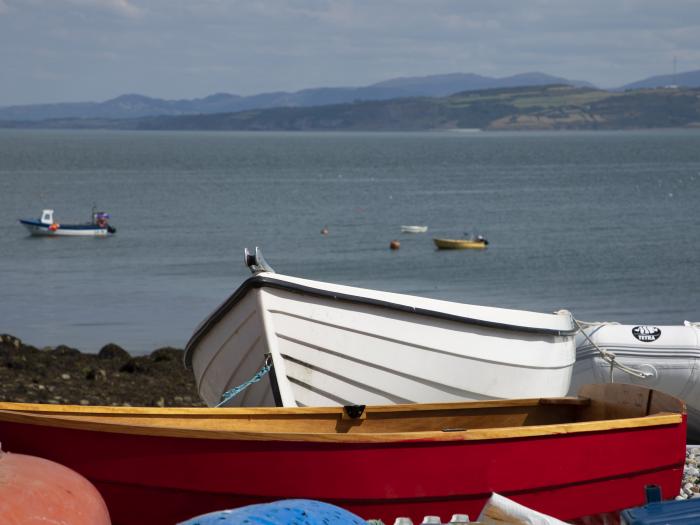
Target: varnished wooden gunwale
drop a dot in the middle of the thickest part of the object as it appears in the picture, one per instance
(93, 424)
(292, 411)
(605, 407)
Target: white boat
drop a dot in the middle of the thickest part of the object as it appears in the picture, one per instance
(47, 226)
(665, 358)
(414, 229)
(329, 344)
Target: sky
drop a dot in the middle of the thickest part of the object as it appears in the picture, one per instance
(94, 50)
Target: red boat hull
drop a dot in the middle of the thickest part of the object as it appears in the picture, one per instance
(156, 479)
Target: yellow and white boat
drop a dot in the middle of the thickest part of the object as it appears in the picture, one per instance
(461, 244)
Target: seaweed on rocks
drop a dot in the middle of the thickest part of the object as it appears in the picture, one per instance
(65, 375)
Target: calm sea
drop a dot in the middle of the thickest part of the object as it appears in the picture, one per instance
(605, 224)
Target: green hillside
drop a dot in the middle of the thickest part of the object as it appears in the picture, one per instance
(526, 108)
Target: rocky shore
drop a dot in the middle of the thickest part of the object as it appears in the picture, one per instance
(64, 375)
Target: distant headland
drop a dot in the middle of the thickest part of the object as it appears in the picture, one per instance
(531, 101)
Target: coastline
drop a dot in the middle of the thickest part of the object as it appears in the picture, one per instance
(112, 377)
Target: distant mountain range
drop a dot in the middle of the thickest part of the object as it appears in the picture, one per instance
(136, 106)
(398, 101)
(687, 79)
(514, 108)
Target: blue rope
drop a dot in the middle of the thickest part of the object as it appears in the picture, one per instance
(230, 394)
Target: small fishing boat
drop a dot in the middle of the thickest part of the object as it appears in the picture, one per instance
(325, 344)
(567, 457)
(98, 226)
(414, 229)
(478, 243)
(666, 358)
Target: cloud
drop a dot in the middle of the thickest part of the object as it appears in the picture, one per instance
(120, 7)
(182, 48)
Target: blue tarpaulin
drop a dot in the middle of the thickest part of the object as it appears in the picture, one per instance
(283, 512)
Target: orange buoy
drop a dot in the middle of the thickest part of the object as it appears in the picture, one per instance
(53, 227)
(394, 245)
(36, 491)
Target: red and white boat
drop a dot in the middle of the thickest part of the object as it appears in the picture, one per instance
(567, 457)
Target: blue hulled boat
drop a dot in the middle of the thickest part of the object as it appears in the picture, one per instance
(47, 226)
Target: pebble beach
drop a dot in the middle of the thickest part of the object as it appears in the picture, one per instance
(112, 377)
(690, 486)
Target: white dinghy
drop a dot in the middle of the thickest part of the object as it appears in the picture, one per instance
(665, 358)
(414, 229)
(328, 344)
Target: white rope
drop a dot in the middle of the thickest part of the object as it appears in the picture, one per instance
(588, 324)
(608, 356)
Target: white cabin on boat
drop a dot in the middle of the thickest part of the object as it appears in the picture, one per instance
(47, 217)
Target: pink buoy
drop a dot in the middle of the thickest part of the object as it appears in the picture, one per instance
(36, 491)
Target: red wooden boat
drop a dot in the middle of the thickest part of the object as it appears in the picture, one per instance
(567, 457)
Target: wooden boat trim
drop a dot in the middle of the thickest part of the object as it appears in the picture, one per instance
(252, 411)
(598, 408)
(262, 281)
(98, 424)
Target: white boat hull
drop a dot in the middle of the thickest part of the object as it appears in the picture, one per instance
(414, 229)
(669, 355)
(337, 345)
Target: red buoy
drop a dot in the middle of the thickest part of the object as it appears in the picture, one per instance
(36, 491)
